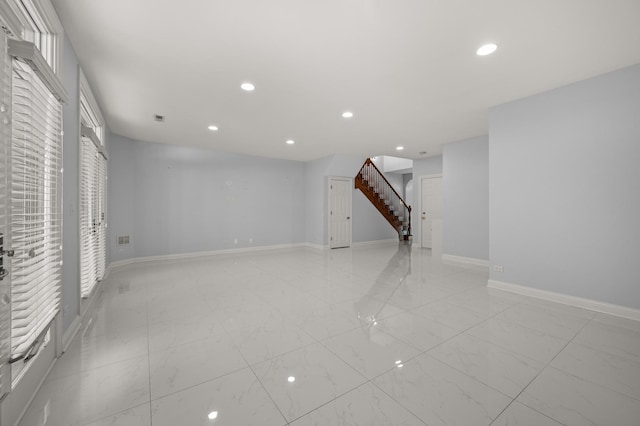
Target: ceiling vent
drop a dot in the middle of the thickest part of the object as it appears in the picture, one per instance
(158, 117)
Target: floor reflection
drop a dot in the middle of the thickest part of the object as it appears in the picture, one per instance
(390, 283)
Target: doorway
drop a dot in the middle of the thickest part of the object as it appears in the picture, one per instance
(340, 190)
(431, 211)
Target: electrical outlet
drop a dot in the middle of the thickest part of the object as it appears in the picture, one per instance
(498, 268)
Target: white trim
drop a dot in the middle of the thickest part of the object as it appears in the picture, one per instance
(466, 261)
(192, 255)
(565, 299)
(46, 13)
(86, 305)
(28, 52)
(315, 246)
(71, 332)
(10, 19)
(94, 107)
(88, 133)
(107, 271)
(376, 242)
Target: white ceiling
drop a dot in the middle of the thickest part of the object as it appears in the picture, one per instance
(406, 68)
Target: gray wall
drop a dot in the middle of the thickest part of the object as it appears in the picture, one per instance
(565, 189)
(172, 200)
(397, 182)
(465, 184)
(315, 224)
(367, 223)
(424, 167)
(71, 189)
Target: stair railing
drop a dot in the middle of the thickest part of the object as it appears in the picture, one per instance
(373, 178)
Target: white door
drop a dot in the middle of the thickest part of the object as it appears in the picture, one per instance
(431, 210)
(340, 212)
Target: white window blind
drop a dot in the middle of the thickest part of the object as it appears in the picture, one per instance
(5, 116)
(92, 214)
(36, 222)
(102, 209)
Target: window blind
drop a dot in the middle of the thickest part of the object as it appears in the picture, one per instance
(36, 221)
(102, 209)
(92, 214)
(5, 115)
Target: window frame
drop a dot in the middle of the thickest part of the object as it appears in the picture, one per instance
(37, 21)
(46, 60)
(92, 130)
(88, 103)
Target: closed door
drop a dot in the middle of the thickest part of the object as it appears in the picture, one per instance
(431, 210)
(339, 212)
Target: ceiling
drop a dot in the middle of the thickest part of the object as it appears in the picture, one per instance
(407, 69)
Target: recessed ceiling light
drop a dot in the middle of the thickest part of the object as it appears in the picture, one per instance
(347, 114)
(213, 128)
(248, 87)
(399, 148)
(290, 142)
(291, 379)
(213, 415)
(487, 49)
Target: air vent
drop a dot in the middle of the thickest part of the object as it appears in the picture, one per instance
(158, 117)
(122, 240)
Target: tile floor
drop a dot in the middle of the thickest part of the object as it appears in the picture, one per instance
(364, 336)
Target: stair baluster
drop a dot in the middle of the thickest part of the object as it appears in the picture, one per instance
(389, 203)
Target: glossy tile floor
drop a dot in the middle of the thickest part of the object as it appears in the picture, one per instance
(363, 336)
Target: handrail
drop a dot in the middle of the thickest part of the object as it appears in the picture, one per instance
(381, 191)
(368, 161)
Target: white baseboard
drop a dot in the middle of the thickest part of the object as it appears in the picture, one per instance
(375, 242)
(466, 261)
(193, 255)
(579, 302)
(71, 332)
(316, 246)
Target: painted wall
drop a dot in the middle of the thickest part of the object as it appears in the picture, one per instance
(565, 189)
(407, 186)
(367, 223)
(465, 184)
(424, 167)
(315, 224)
(172, 200)
(71, 189)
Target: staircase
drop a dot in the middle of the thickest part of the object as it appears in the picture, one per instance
(389, 203)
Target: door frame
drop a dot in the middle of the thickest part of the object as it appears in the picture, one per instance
(419, 218)
(329, 215)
